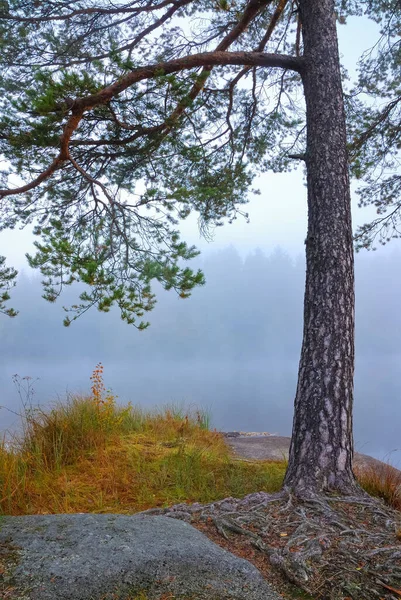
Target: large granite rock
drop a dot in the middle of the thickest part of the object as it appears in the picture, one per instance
(93, 557)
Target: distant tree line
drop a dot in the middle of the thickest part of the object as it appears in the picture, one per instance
(250, 308)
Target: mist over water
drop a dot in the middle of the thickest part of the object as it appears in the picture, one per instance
(232, 348)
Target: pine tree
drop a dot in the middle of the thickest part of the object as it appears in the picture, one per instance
(120, 119)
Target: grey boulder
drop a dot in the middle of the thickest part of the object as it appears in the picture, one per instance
(93, 557)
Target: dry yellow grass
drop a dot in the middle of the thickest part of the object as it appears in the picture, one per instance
(383, 481)
(88, 454)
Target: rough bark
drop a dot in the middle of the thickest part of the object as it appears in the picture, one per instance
(322, 446)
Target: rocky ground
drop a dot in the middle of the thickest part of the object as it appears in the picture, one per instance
(326, 548)
(269, 446)
(316, 547)
(113, 557)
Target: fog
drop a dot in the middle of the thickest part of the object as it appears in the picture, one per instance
(232, 348)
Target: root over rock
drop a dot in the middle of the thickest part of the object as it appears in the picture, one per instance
(327, 547)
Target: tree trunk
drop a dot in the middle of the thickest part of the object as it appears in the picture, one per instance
(322, 445)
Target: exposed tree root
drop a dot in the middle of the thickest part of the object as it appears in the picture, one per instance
(331, 547)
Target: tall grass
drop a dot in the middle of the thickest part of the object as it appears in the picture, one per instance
(382, 481)
(88, 454)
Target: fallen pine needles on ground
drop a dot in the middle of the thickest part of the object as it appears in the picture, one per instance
(329, 548)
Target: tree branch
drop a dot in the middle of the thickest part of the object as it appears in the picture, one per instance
(359, 141)
(91, 11)
(250, 12)
(297, 156)
(203, 59)
(217, 58)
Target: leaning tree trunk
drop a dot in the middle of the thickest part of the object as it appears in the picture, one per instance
(322, 446)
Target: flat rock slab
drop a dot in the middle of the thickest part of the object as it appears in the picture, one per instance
(270, 447)
(99, 557)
